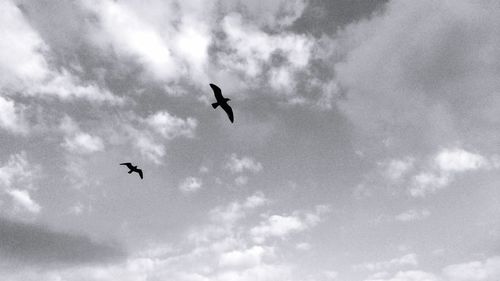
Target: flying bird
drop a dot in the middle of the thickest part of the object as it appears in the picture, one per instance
(133, 169)
(222, 101)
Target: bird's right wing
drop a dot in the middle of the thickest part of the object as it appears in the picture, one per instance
(139, 171)
(129, 165)
(229, 111)
(217, 92)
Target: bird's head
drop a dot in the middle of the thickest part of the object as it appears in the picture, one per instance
(226, 99)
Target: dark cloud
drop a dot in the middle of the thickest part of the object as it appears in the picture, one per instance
(38, 245)
(324, 16)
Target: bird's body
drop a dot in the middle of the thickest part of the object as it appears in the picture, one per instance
(132, 169)
(222, 102)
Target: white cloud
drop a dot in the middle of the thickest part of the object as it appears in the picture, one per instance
(130, 36)
(487, 270)
(67, 86)
(444, 166)
(246, 258)
(79, 172)
(235, 211)
(426, 174)
(251, 50)
(170, 40)
(18, 170)
(170, 126)
(83, 143)
(241, 180)
(265, 272)
(379, 275)
(239, 165)
(257, 46)
(280, 79)
(148, 146)
(406, 260)
(279, 226)
(427, 182)
(303, 246)
(76, 140)
(331, 275)
(12, 116)
(25, 69)
(191, 43)
(282, 226)
(224, 219)
(148, 135)
(16, 179)
(244, 264)
(20, 57)
(410, 275)
(413, 215)
(459, 160)
(204, 169)
(190, 185)
(76, 209)
(256, 200)
(395, 169)
(23, 199)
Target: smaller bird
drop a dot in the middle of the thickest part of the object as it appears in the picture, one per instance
(222, 101)
(132, 169)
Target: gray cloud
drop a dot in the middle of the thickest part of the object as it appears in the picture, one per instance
(32, 244)
(324, 16)
(427, 80)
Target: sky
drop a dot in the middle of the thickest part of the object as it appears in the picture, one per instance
(364, 146)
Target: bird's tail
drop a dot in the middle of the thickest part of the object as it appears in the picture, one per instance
(130, 172)
(214, 105)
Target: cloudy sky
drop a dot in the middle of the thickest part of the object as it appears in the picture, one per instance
(364, 147)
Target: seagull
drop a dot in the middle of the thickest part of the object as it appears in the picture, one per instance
(222, 101)
(133, 169)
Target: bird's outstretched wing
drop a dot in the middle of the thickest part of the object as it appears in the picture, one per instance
(228, 110)
(217, 92)
(129, 165)
(139, 171)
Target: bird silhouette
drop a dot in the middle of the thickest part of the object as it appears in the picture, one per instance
(222, 101)
(133, 169)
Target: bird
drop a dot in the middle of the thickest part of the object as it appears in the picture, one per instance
(222, 101)
(133, 169)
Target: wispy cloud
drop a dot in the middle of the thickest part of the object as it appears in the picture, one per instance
(281, 226)
(170, 126)
(413, 215)
(444, 166)
(403, 261)
(17, 179)
(245, 163)
(190, 185)
(12, 116)
(22, 198)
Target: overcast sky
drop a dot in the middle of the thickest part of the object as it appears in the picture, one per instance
(365, 144)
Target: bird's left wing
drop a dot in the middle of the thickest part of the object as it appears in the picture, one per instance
(128, 164)
(229, 111)
(217, 92)
(139, 171)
